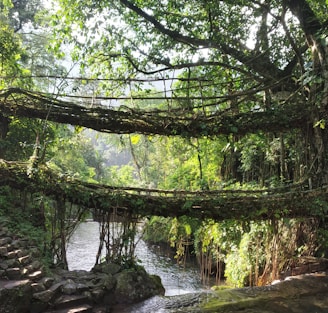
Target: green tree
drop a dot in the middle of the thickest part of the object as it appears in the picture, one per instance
(238, 56)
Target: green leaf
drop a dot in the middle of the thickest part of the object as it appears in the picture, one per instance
(135, 139)
(321, 123)
(78, 129)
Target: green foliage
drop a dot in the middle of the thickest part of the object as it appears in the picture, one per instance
(178, 232)
(6, 198)
(234, 70)
(20, 212)
(238, 266)
(10, 51)
(74, 156)
(247, 256)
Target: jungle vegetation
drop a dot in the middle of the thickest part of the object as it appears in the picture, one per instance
(208, 118)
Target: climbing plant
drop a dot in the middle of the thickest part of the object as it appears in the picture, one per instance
(242, 103)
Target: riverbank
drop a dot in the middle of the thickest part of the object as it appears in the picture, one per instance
(175, 278)
(297, 294)
(26, 286)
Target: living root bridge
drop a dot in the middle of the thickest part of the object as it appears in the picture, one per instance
(216, 204)
(124, 120)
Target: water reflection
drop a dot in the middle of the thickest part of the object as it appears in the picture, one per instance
(83, 247)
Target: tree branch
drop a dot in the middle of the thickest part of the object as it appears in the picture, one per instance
(24, 103)
(257, 63)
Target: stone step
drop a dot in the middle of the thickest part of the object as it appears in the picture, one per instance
(70, 301)
(37, 275)
(24, 260)
(11, 255)
(11, 284)
(13, 273)
(3, 251)
(4, 241)
(78, 309)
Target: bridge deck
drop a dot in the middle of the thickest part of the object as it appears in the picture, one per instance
(292, 201)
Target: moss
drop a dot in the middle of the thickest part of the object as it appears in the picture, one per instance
(134, 285)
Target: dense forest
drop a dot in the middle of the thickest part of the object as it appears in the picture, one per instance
(223, 100)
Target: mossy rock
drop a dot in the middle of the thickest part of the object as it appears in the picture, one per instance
(135, 284)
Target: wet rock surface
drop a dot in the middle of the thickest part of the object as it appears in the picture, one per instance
(26, 288)
(299, 294)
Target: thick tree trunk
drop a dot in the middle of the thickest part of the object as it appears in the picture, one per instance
(318, 95)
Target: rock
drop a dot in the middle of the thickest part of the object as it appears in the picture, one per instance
(57, 287)
(69, 287)
(24, 271)
(80, 309)
(35, 275)
(87, 294)
(81, 287)
(15, 244)
(4, 241)
(108, 282)
(11, 262)
(69, 301)
(47, 281)
(108, 268)
(24, 260)
(4, 265)
(38, 307)
(3, 251)
(36, 265)
(301, 294)
(101, 309)
(77, 289)
(21, 253)
(15, 297)
(134, 285)
(44, 296)
(11, 255)
(34, 252)
(97, 295)
(38, 287)
(13, 273)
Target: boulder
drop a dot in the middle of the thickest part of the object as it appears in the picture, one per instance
(108, 268)
(134, 285)
(47, 281)
(108, 282)
(44, 296)
(38, 287)
(69, 288)
(15, 296)
(13, 273)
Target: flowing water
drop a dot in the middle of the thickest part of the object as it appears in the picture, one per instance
(177, 280)
(184, 291)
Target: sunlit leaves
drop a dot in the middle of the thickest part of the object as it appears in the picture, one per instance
(9, 49)
(135, 139)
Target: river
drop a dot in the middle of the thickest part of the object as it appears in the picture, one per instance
(302, 294)
(177, 280)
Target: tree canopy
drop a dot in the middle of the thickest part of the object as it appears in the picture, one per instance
(254, 73)
(211, 113)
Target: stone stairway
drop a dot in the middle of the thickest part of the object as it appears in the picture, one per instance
(25, 286)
